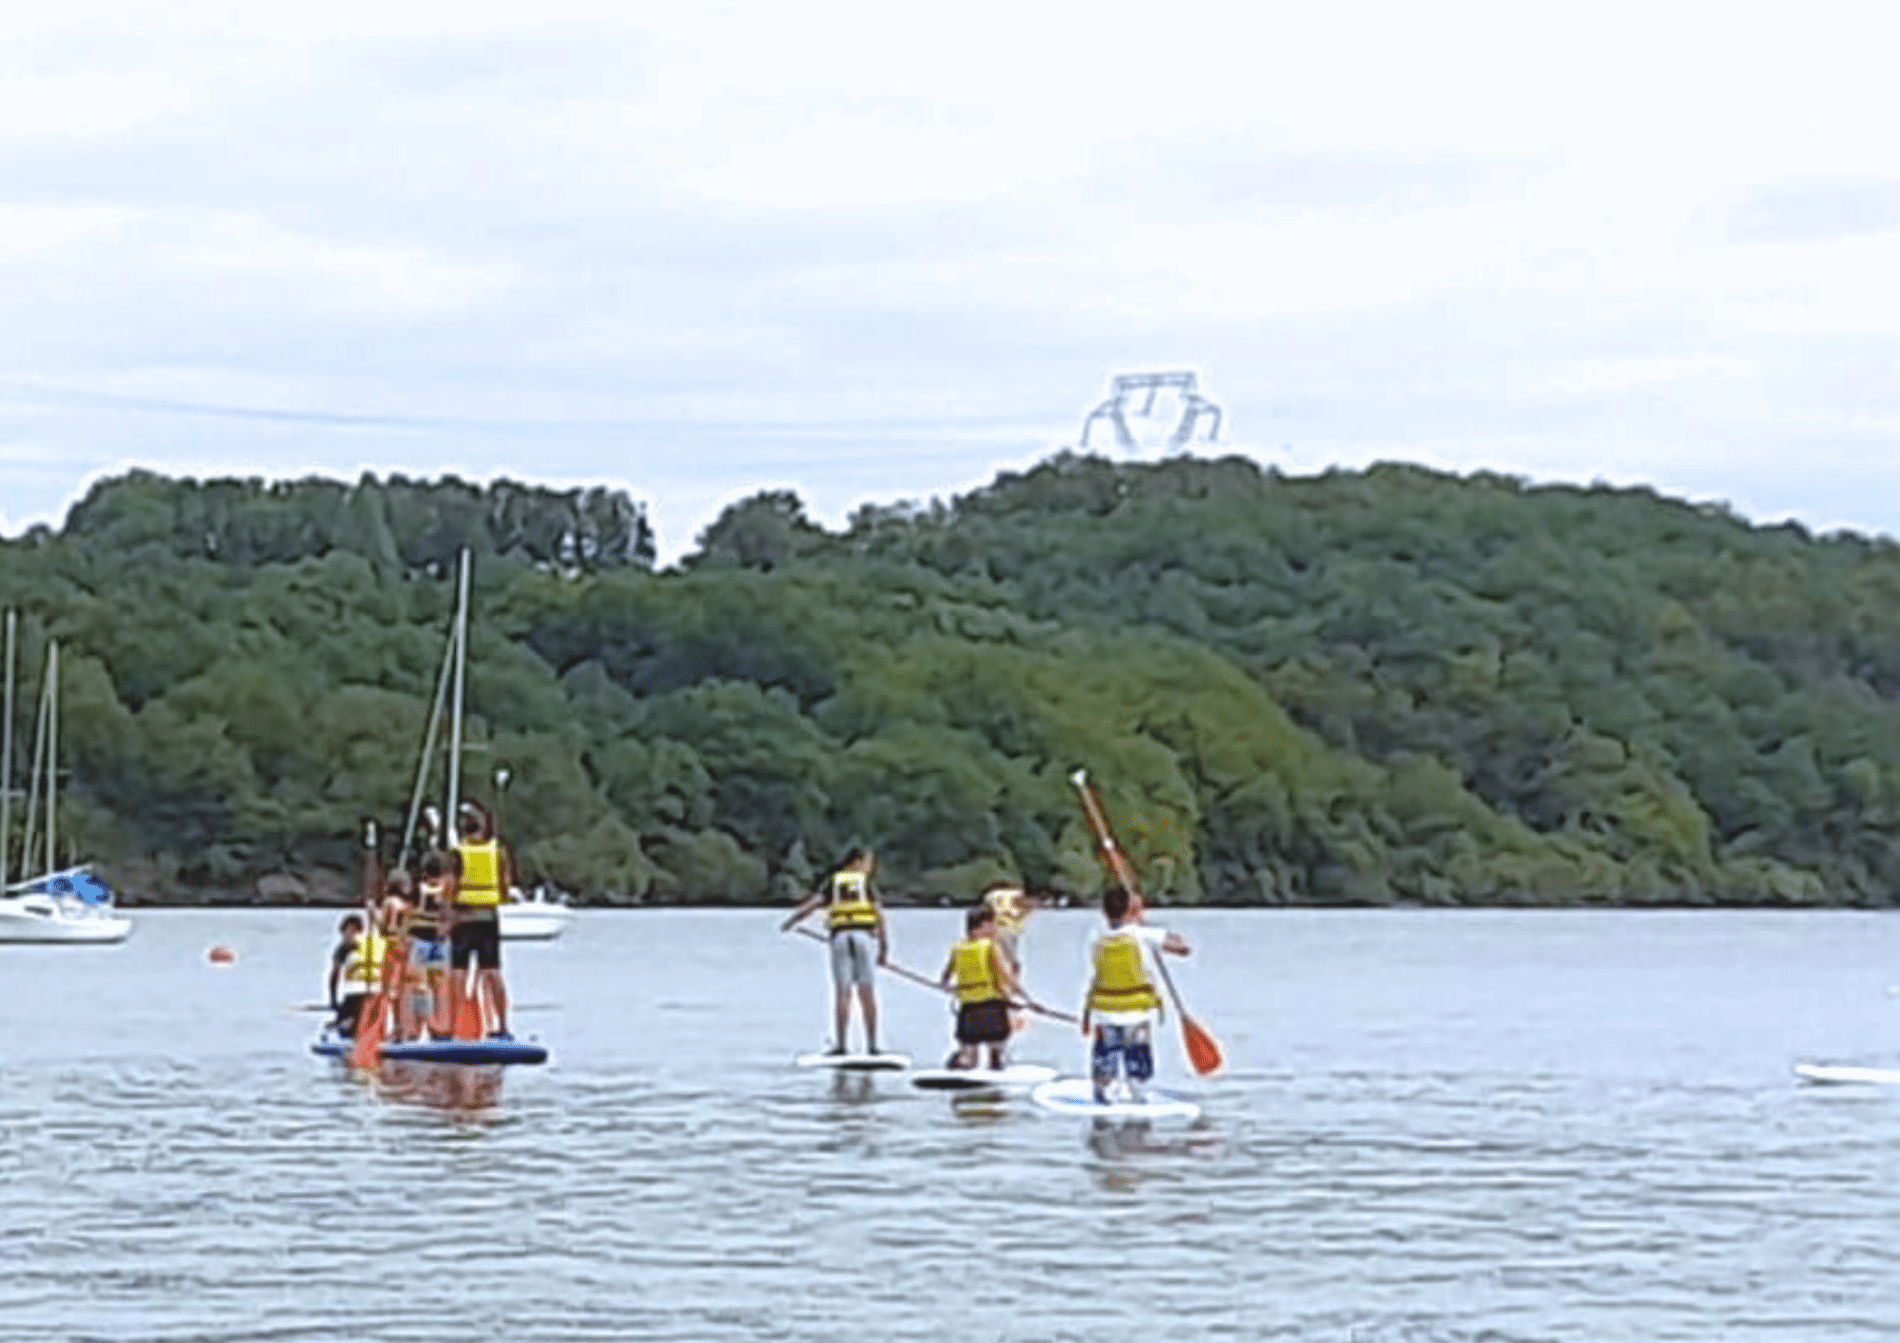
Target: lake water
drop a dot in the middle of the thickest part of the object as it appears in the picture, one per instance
(1434, 1126)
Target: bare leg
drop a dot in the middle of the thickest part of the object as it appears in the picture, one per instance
(405, 1015)
(867, 1005)
(452, 1001)
(840, 1016)
(497, 998)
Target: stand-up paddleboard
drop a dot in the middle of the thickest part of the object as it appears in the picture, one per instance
(982, 1079)
(1842, 1074)
(1076, 1096)
(857, 1063)
(477, 1052)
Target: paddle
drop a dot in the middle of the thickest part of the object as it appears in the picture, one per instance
(469, 1017)
(916, 978)
(372, 1023)
(1203, 1050)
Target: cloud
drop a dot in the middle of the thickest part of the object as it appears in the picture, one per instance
(847, 248)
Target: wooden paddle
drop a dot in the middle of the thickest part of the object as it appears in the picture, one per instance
(916, 978)
(1202, 1049)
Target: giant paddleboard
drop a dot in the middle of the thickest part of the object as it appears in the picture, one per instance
(982, 1079)
(475, 1052)
(1076, 1096)
(857, 1063)
(1841, 1074)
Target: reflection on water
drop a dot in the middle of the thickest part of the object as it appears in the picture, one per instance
(1449, 1128)
(458, 1089)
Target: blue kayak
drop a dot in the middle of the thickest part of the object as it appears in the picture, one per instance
(493, 1052)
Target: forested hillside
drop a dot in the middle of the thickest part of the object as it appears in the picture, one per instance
(1358, 688)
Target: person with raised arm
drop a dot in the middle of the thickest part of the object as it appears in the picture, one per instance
(1123, 1001)
(859, 942)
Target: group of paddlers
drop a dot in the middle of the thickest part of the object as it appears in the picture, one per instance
(424, 958)
(984, 973)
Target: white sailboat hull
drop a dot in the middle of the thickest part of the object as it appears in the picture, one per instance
(42, 918)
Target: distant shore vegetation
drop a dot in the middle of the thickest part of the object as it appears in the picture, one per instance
(1377, 687)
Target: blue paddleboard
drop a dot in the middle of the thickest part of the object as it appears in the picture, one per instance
(479, 1052)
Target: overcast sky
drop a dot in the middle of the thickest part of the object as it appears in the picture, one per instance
(872, 252)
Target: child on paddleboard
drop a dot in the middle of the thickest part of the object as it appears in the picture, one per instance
(482, 875)
(1123, 1004)
(352, 970)
(859, 943)
(983, 977)
(1012, 907)
(429, 943)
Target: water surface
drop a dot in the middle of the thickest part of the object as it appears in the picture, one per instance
(1435, 1126)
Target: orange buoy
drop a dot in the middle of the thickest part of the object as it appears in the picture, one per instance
(221, 955)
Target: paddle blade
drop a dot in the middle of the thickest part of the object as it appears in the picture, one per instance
(365, 1050)
(468, 1010)
(1203, 1050)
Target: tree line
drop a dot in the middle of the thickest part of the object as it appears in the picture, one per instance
(1363, 687)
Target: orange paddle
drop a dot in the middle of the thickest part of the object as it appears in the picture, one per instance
(1202, 1049)
(468, 1008)
(372, 1023)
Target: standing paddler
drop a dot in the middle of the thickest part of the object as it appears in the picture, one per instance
(1124, 1000)
(475, 927)
(859, 943)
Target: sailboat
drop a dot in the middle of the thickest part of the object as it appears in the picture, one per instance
(541, 915)
(370, 1044)
(69, 904)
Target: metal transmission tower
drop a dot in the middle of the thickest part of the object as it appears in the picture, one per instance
(1125, 386)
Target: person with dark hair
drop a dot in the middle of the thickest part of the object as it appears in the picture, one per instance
(429, 947)
(983, 977)
(1123, 1003)
(481, 876)
(859, 943)
(353, 967)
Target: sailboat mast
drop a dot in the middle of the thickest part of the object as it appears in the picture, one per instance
(6, 762)
(52, 750)
(457, 693)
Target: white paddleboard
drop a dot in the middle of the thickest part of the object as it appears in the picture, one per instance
(982, 1079)
(857, 1063)
(1842, 1074)
(1076, 1096)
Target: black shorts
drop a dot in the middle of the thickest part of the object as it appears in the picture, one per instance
(349, 1012)
(475, 941)
(985, 1023)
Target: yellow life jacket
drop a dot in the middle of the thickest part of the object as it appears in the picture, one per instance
(971, 960)
(365, 965)
(852, 905)
(1121, 982)
(481, 873)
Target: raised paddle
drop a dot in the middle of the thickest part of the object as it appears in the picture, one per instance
(1202, 1049)
(916, 978)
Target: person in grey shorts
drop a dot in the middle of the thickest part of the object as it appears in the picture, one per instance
(854, 958)
(859, 944)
